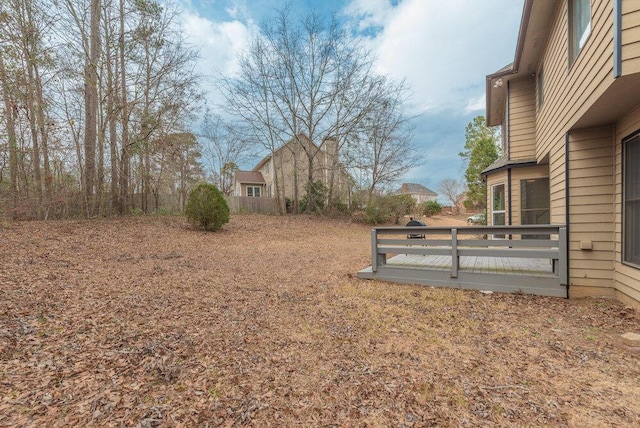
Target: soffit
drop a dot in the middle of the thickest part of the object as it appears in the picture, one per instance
(620, 98)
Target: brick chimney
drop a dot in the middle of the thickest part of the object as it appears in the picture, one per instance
(405, 188)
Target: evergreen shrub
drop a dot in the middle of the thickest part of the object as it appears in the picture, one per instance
(206, 208)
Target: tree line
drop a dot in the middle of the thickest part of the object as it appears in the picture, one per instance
(100, 108)
(96, 98)
(308, 78)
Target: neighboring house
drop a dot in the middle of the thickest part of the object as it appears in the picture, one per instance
(290, 163)
(420, 193)
(569, 108)
(249, 183)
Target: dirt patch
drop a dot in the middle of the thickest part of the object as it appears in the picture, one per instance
(145, 322)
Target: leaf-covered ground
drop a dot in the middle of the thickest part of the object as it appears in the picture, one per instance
(146, 322)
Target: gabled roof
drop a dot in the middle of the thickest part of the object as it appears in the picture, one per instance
(261, 163)
(300, 137)
(249, 177)
(408, 188)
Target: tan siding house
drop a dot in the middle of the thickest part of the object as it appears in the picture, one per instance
(286, 171)
(420, 193)
(569, 108)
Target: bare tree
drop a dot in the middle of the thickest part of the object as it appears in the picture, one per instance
(224, 147)
(24, 25)
(88, 89)
(91, 105)
(382, 150)
(452, 189)
(304, 77)
(10, 108)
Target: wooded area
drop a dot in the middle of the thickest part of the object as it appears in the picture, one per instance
(101, 108)
(96, 97)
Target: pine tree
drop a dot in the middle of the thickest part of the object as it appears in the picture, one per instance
(481, 150)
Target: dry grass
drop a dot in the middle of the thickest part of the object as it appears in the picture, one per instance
(145, 322)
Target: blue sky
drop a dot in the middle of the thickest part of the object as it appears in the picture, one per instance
(442, 49)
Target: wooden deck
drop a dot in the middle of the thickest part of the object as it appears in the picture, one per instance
(475, 264)
(510, 265)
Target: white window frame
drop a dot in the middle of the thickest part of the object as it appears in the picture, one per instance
(251, 191)
(630, 203)
(503, 211)
(579, 26)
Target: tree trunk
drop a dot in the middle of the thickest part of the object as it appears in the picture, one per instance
(276, 184)
(125, 158)
(112, 94)
(33, 128)
(91, 107)
(311, 200)
(10, 106)
(44, 141)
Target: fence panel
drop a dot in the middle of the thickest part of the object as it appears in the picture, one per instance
(252, 205)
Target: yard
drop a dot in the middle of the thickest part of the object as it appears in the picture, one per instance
(146, 322)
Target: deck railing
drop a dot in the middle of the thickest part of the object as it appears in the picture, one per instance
(529, 241)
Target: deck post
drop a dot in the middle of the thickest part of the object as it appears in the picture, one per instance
(562, 248)
(374, 250)
(454, 253)
(376, 258)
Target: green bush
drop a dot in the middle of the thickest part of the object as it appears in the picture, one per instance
(382, 209)
(430, 208)
(206, 208)
(373, 214)
(318, 193)
(337, 207)
(398, 206)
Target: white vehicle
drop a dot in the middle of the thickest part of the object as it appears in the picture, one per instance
(477, 219)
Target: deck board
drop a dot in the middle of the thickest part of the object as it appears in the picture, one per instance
(476, 264)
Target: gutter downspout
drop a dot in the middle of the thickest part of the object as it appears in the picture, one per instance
(617, 38)
(567, 204)
(508, 120)
(509, 190)
(508, 141)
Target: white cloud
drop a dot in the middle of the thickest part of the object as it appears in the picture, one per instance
(220, 42)
(237, 9)
(477, 104)
(369, 13)
(444, 49)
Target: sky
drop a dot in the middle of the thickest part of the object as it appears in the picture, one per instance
(442, 49)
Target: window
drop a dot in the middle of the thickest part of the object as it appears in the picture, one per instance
(253, 191)
(534, 207)
(631, 190)
(540, 88)
(579, 26)
(497, 208)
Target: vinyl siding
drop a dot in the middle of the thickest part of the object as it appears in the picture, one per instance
(591, 210)
(522, 119)
(627, 278)
(570, 89)
(630, 36)
(557, 178)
